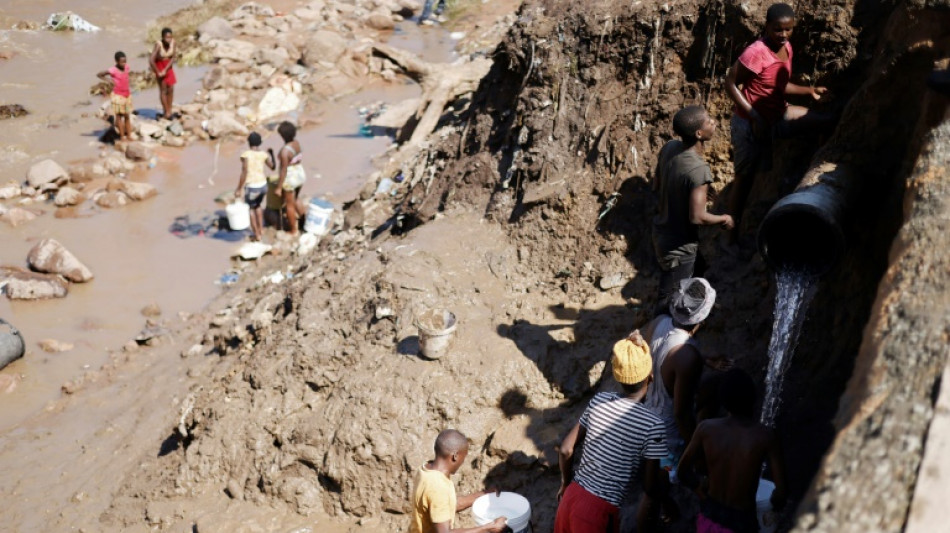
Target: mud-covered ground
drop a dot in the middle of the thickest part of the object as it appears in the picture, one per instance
(312, 398)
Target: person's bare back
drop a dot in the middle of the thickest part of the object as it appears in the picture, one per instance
(734, 450)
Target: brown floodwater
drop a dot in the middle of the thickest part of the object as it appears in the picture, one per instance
(135, 258)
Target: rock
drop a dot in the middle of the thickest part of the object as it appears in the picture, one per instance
(272, 56)
(380, 21)
(277, 101)
(397, 115)
(51, 257)
(176, 129)
(112, 199)
(9, 191)
(308, 13)
(33, 286)
(138, 191)
(17, 216)
(151, 335)
(12, 111)
(252, 9)
(410, 6)
(54, 346)
(138, 151)
(353, 216)
(45, 171)
(151, 310)
(150, 129)
(612, 281)
(215, 28)
(233, 49)
(324, 45)
(11, 344)
(224, 123)
(68, 196)
(175, 142)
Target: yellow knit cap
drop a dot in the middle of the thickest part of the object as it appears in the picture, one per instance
(631, 360)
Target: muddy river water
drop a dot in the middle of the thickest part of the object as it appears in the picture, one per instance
(135, 258)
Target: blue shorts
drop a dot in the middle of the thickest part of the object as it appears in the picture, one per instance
(253, 196)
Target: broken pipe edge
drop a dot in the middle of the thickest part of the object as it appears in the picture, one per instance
(803, 231)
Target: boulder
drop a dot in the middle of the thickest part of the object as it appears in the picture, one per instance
(12, 346)
(176, 129)
(215, 28)
(149, 129)
(54, 346)
(277, 101)
(252, 9)
(17, 216)
(45, 171)
(138, 151)
(224, 123)
(233, 49)
(9, 191)
(33, 286)
(326, 46)
(379, 21)
(112, 199)
(272, 56)
(138, 191)
(307, 13)
(51, 257)
(68, 196)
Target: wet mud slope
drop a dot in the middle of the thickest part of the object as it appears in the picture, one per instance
(528, 215)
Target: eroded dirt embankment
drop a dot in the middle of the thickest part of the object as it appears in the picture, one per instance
(322, 404)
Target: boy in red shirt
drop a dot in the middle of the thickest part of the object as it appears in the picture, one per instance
(121, 95)
(763, 71)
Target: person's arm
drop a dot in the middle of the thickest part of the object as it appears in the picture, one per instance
(284, 162)
(777, 466)
(237, 192)
(152, 59)
(270, 161)
(569, 446)
(497, 526)
(738, 75)
(697, 210)
(685, 470)
(105, 76)
(805, 90)
(171, 60)
(651, 492)
(687, 368)
(464, 502)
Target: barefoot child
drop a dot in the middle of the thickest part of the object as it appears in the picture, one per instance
(161, 61)
(763, 71)
(292, 176)
(253, 183)
(121, 95)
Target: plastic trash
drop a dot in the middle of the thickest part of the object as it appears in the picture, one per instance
(69, 21)
(252, 250)
(228, 278)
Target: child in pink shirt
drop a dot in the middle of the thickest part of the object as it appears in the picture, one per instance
(121, 96)
(758, 84)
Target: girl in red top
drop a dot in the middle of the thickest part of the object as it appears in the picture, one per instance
(121, 96)
(763, 71)
(161, 61)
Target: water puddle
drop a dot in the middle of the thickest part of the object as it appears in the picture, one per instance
(794, 292)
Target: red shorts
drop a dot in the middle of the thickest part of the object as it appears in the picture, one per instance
(582, 512)
(170, 78)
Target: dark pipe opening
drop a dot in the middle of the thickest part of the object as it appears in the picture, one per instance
(800, 236)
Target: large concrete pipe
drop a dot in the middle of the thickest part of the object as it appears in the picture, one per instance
(11, 344)
(803, 230)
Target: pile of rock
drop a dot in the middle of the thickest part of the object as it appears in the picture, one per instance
(52, 268)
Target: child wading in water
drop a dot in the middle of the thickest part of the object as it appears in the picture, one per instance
(763, 71)
(254, 182)
(121, 95)
(161, 61)
(292, 176)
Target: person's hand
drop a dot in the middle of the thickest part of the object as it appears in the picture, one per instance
(498, 525)
(727, 222)
(237, 193)
(560, 492)
(818, 93)
(492, 489)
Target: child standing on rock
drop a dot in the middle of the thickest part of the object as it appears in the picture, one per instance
(162, 60)
(121, 96)
(292, 176)
(253, 182)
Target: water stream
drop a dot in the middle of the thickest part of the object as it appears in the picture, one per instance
(794, 291)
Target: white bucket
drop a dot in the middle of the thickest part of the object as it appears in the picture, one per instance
(768, 520)
(514, 507)
(318, 217)
(239, 216)
(436, 329)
